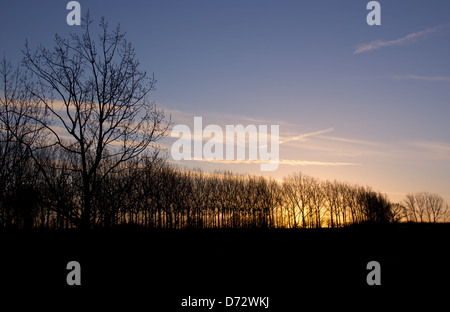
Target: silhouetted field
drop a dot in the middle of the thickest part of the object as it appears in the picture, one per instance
(160, 267)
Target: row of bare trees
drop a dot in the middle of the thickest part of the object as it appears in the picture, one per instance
(425, 207)
(170, 198)
(152, 194)
(310, 202)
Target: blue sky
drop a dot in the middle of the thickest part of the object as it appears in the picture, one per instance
(376, 99)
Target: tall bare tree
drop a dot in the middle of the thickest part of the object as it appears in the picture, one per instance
(96, 95)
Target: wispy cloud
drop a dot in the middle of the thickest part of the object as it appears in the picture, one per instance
(314, 163)
(414, 37)
(433, 148)
(351, 141)
(301, 137)
(291, 162)
(426, 78)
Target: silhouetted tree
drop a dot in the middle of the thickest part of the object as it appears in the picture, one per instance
(398, 212)
(96, 97)
(295, 199)
(18, 129)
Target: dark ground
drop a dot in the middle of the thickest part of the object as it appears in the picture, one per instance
(157, 269)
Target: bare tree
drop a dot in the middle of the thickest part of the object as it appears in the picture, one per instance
(18, 178)
(398, 212)
(295, 198)
(410, 206)
(421, 206)
(291, 201)
(332, 192)
(446, 214)
(435, 207)
(18, 112)
(316, 197)
(96, 96)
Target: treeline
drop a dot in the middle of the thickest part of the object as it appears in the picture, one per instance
(156, 195)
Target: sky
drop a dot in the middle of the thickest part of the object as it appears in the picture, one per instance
(357, 103)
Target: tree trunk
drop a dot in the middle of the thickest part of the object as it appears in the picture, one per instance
(87, 207)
